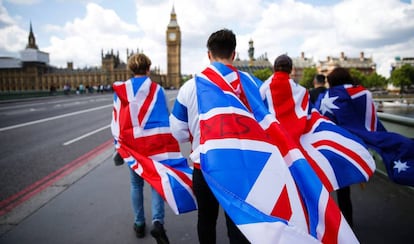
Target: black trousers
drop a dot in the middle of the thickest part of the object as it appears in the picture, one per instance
(345, 204)
(208, 210)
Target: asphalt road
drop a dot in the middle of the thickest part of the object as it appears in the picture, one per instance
(35, 135)
(40, 136)
(97, 208)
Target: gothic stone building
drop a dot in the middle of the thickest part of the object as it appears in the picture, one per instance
(299, 64)
(34, 73)
(262, 62)
(363, 64)
(252, 64)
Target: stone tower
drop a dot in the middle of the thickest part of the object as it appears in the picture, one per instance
(173, 52)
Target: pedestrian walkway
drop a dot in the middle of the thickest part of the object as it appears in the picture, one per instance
(95, 209)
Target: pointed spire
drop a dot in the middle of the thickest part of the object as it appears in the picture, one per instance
(173, 18)
(32, 40)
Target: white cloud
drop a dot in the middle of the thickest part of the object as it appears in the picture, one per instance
(380, 29)
(83, 39)
(321, 31)
(197, 19)
(5, 18)
(12, 37)
(385, 22)
(24, 2)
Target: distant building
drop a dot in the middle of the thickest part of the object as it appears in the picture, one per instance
(299, 64)
(32, 72)
(32, 52)
(398, 62)
(252, 64)
(361, 63)
(262, 62)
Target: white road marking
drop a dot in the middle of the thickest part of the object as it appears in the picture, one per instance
(53, 118)
(86, 135)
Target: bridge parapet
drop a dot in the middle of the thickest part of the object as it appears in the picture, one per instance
(398, 124)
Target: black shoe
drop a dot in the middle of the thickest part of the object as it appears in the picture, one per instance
(139, 230)
(158, 232)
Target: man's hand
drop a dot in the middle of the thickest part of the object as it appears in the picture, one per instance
(118, 160)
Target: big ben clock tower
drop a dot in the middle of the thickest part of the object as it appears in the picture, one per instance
(173, 52)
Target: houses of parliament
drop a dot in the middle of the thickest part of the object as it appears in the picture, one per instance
(32, 72)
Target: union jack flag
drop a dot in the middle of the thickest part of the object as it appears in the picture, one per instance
(337, 156)
(142, 137)
(260, 178)
(352, 107)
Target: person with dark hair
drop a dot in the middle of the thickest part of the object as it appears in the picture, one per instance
(318, 90)
(351, 106)
(185, 126)
(288, 102)
(341, 76)
(283, 63)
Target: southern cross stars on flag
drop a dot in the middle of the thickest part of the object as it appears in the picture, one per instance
(401, 166)
(337, 156)
(352, 107)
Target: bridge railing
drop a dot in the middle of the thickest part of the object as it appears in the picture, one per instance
(398, 124)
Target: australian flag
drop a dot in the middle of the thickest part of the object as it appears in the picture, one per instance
(140, 127)
(337, 156)
(261, 180)
(352, 107)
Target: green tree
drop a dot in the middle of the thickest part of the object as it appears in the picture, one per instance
(403, 77)
(376, 80)
(359, 77)
(263, 74)
(308, 75)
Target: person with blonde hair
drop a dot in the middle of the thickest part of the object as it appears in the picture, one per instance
(135, 94)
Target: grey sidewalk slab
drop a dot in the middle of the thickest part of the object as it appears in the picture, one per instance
(96, 209)
(383, 211)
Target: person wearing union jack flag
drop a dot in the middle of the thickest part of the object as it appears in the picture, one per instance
(128, 128)
(185, 126)
(318, 138)
(246, 162)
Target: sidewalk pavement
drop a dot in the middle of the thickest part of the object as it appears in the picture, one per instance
(92, 205)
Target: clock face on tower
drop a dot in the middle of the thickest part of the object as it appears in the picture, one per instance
(172, 36)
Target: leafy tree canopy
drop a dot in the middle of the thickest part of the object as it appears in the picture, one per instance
(263, 74)
(307, 79)
(403, 77)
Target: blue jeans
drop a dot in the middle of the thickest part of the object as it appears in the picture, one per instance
(137, 198)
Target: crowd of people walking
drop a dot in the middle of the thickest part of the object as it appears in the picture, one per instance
(225, 114)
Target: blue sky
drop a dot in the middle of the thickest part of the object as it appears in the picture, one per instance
(77, 30)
